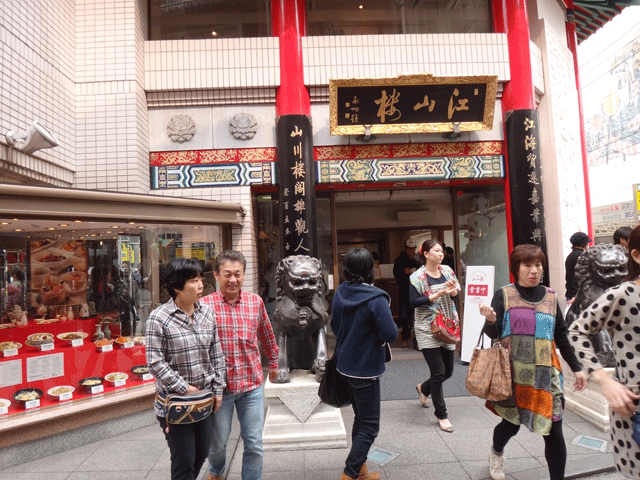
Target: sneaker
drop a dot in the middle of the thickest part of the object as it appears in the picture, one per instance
(496, 472)
(424, 401)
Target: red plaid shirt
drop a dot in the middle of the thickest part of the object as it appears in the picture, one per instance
(240, 326)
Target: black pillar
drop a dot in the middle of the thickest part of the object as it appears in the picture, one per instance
(525, 182)
(295, 173)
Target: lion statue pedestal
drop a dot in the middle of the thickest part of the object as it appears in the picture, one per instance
(589, 404)
(296, 419)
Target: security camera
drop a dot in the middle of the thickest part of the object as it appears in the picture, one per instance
(36, 138)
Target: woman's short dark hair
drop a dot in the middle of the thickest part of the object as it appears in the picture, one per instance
(229, 256)
(358, 266)
(525, 253)
(634, 244)
(426, 246)
(178, 271)
(622, 232)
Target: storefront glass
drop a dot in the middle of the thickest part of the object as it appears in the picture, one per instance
(199, 19)
(68, 289)
(483, 233)
(391, 17)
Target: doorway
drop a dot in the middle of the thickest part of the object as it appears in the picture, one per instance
(470, 220)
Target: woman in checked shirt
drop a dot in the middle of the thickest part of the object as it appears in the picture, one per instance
(184, 355)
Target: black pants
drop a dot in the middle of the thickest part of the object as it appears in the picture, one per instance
(189, 447)
(365, 400)
(405, 320)
(555, 450)
(440, 361)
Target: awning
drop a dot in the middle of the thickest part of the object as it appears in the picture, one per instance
(591, 15)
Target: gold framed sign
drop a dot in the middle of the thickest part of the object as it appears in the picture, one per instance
(418, 103)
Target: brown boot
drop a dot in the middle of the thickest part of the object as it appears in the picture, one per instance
(344, 477)
(214, 477)
(365, 474)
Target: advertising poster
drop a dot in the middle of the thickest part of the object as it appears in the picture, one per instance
(58, 273)
(479, 289)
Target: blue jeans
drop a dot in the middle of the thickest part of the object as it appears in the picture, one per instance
(365, 400)
(250, 410)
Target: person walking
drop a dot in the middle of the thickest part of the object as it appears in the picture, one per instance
(362, 323)
(433, 287)
(404, 265)
(185, 356)
(243, 324)
(616, 310)
(579, 243)
(526, 317)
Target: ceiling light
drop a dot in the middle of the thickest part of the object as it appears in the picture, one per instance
(361, 7)
(18, 230)
(63, 225)
(109, 231)
(51, 228)
(5, 223)
(77, 221)
(214, 34)
(114, 226)
(132, 223)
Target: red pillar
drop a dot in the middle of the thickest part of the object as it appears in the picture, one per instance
(572, 43)
(510, 17)
(289, 23)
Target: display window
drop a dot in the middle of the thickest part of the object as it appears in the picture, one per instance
(75, 296)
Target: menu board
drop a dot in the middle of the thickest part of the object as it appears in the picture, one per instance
(58, 273)
(10, 373)
(45, 366)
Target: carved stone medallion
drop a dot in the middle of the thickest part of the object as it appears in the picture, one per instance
(181, 128)
(243, 126)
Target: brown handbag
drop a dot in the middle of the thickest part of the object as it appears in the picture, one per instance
(489, 374)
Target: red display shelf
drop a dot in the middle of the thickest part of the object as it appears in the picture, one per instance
(79, 362)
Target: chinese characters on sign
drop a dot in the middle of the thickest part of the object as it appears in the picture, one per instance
(412, 103)
(296, 177)
(525, 181)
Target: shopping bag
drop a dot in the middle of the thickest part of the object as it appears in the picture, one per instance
(333, 389)
(489, 374)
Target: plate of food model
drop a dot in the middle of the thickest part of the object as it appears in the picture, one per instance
(9, 346)
(140, 370)
(116, 376)
(70, 336)
(90, 382)
(61, 390)
(37, 339)
(27, 394)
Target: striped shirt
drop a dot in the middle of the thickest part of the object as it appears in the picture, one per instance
(241, 325)
(182, 352)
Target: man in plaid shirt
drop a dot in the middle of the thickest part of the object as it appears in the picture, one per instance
(243, 323)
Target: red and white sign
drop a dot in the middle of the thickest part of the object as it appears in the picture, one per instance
(479, 289)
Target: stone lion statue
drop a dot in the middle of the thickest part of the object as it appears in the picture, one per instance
(597, 269)
(300, 316)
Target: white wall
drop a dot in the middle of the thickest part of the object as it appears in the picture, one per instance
(37, 75)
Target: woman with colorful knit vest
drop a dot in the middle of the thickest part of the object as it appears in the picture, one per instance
(527, 319)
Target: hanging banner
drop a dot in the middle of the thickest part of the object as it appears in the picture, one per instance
(525, 183)
(478, 289)
(295, 173)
